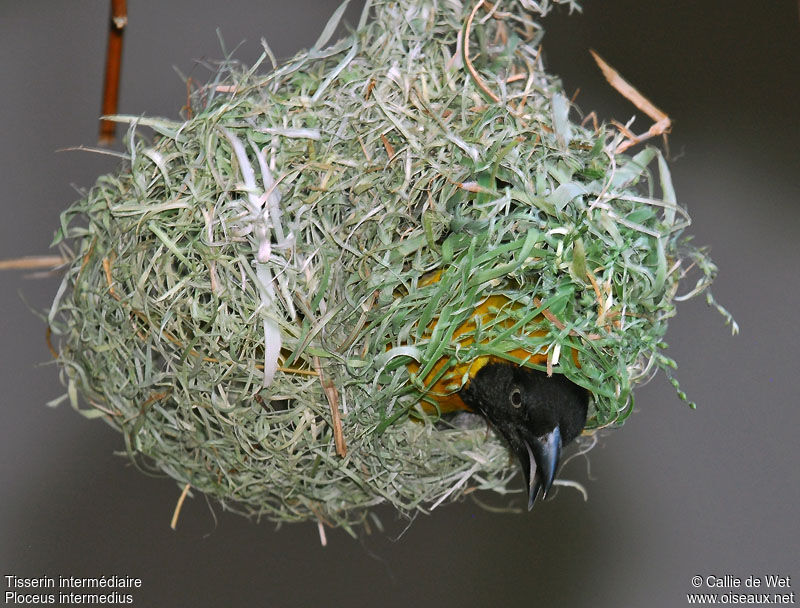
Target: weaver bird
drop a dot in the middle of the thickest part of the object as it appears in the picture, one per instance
(535, 413)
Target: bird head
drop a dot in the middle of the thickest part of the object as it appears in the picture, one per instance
(536, 414)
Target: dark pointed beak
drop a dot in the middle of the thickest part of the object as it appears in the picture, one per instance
(540, 462)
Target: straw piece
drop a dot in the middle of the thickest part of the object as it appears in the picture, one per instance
(34, 262)
(333, 401)
(177, 512)
(662, 123)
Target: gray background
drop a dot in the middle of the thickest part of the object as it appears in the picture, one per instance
(673, 494)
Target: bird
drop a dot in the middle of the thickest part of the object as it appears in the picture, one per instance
(535, 413)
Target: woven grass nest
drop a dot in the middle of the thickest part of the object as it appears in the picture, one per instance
(260, 267)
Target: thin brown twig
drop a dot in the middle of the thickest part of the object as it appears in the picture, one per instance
(188, 107)
(48, 338)
(593, 117)
(560, 324)
(107, 264)
(623, 129)
(468, 62)
(116, 28)
(388, 146)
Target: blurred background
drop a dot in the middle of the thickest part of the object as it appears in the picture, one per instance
(675, 493)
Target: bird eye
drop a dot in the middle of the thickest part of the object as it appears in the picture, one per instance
(516, 397)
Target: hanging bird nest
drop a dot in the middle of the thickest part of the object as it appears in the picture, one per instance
(245, 296)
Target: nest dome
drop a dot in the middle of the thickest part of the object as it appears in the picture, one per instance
(246, 294)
